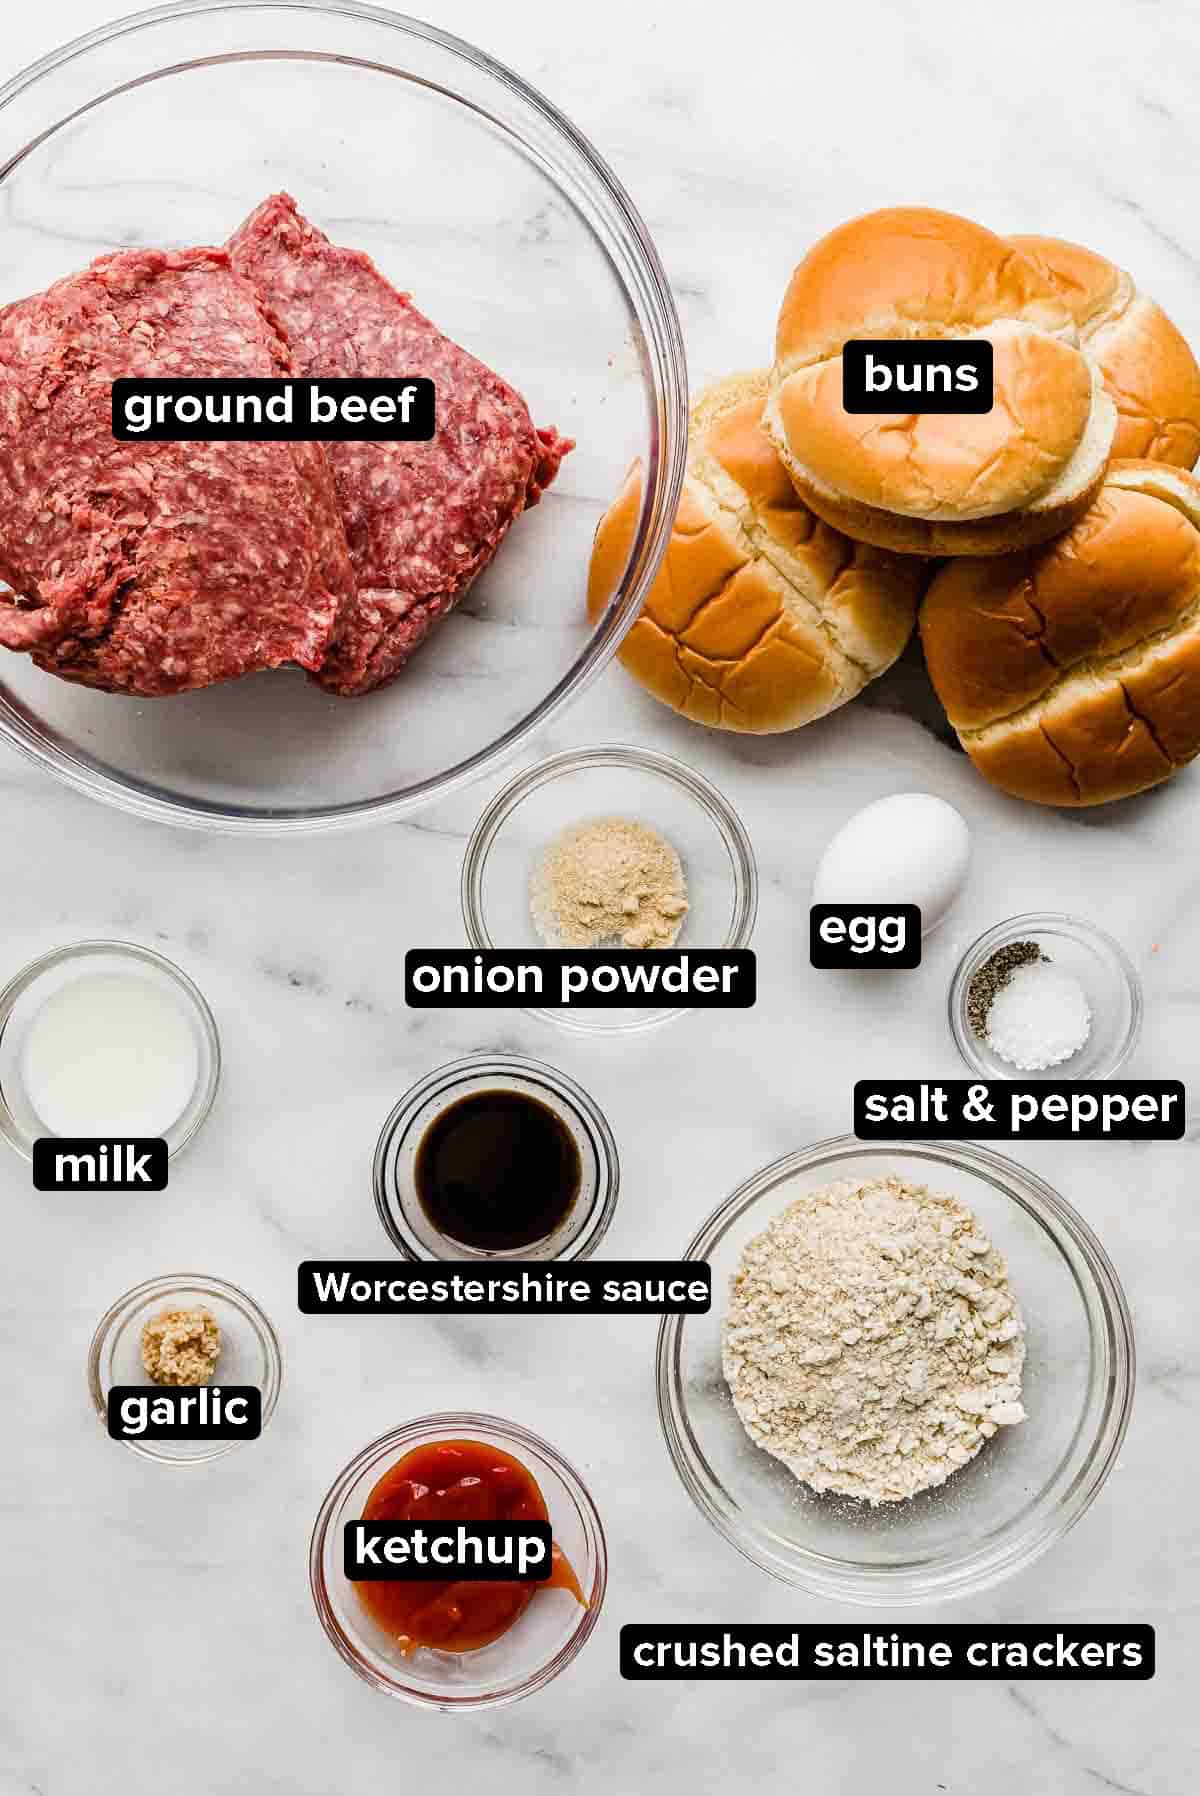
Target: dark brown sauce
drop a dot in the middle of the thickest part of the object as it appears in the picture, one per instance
(497, 1170)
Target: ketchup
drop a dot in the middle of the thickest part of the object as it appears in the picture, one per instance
(457, 1481)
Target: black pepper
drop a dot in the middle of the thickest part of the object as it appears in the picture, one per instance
(995, 973)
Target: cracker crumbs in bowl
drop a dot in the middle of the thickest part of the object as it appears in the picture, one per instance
(915, 1376)
(872, 1342)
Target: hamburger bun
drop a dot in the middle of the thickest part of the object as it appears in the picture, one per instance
(761, 618)
(926, 483)
(1071, 672)
(1149, 372)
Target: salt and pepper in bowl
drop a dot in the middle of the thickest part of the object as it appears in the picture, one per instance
(1043, 996)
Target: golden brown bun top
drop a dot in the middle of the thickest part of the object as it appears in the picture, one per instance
(734, 438)
(762, 618)
(1088, 284)
(1148, 368)
(909, 271)
(726, 429)
(1001, 633)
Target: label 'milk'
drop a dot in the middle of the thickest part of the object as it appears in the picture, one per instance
(82, 1163)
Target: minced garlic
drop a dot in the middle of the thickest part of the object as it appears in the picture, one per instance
(181, 1346)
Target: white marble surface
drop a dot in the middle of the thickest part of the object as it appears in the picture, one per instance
(156, 1632)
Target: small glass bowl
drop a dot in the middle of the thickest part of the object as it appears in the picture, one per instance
(250, 1353)
(400, 1210)
(1017, 1497)
(1103, 969)
(25, 994)
(524, 818)
(545, 1638)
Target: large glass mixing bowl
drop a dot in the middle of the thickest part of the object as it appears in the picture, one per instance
(1020, 1494)
(473, 193)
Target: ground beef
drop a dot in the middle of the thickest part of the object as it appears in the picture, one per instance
(422, 519)
(154, 568)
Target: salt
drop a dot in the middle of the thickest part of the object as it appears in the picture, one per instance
(1039, 1017)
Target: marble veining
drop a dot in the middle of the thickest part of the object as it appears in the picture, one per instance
(156, 1631)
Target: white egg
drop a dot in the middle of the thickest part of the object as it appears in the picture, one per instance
(908, 849)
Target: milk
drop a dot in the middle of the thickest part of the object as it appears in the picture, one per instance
(111, 1054)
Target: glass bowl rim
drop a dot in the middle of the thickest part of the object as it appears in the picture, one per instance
(1049, 923)
(163, 1285)
(664, 369)
(458, 1424)
(972, 1571)
(33, 970)
(574, 1098)
(669, 768)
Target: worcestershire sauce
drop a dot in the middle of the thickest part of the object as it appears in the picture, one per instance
(497, 1171)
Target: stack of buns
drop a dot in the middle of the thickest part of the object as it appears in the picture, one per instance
(1062, 635)
(926, 483)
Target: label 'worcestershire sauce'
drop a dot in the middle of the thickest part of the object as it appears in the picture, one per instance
(497, 1171)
